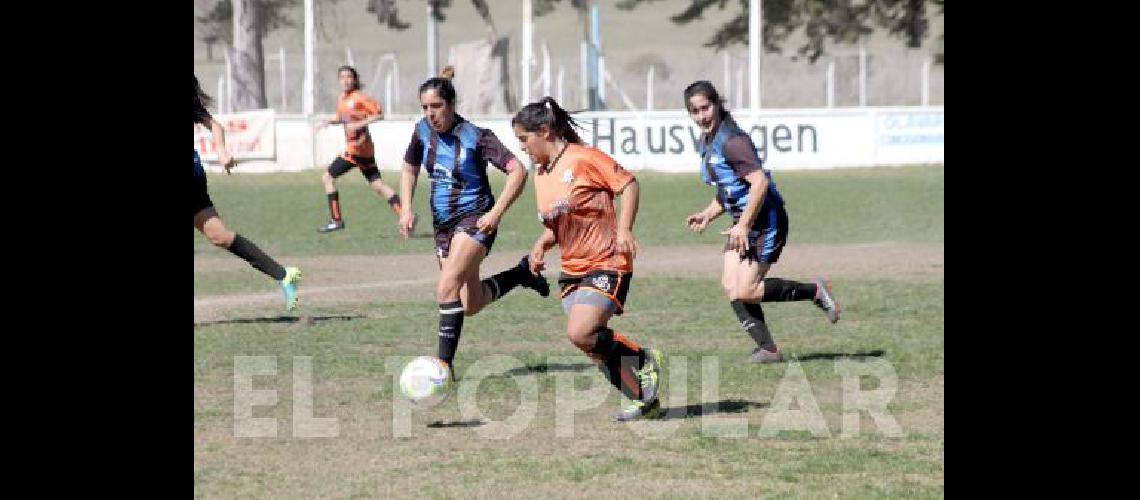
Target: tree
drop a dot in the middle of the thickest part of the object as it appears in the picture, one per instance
(841, 21)
(217, 26)
(248, 22)
(386, 14)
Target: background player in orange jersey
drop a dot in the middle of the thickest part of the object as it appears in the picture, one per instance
(575, 186)
(355, 110)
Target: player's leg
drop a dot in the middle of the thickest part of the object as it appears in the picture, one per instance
(210, 224)
(371, 173)
(740, 278)
(456, 256)
(336, 217)
(632, 369)
(768, 244)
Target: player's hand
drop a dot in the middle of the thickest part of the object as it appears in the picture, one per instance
(407, 223)
(536, 255)
(226, 161)
(737, 238)
(626, 242)
(488, 222)
(698, 222)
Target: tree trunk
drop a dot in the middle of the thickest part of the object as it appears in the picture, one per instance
(249, 62)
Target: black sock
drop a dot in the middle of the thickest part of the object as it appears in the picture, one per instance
(450, 326)
(505, 281)
(751, 318)
(617, 358)
(394, 201)
(250, 253)
(780, 290)
(334, 206)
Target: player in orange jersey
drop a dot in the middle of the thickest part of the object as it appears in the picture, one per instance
(575, 186)
(355, 110)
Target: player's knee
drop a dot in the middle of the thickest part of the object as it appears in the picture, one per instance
(447, 288)
(472, 309)
(729, 290)
(751, 291)
(220, 237)
(326, 177)
(581, 336)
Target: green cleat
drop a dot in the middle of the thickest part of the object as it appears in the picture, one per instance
(289, 286)
(638, 410)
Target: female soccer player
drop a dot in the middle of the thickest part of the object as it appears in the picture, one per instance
(209, 223)
(465, 214)
(730, 164)
(355, 110)
(575, 186)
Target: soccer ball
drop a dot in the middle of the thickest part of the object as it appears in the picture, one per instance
(426, 381)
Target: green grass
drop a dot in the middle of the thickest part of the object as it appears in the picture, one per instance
(353, 383)
(357, 349)
(281, 212)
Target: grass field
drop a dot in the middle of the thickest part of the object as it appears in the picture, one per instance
(877, 232)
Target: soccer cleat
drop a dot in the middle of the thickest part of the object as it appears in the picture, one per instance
(289, 285)
(637, 410)
(761, 355)
(536, 282)
(650, 374)
(333, 225)
(826, 301)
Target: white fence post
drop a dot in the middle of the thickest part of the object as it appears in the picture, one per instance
(831, 83)
(926, 80)
(649, 89)
(284, 90)
(862, 74)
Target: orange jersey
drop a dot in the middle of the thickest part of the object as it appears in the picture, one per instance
(576, 201)
(353, 107)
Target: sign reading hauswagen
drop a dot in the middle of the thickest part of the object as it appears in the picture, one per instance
(784, 139)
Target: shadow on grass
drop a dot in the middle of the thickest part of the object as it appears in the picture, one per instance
(544, 367)
(722, 406)
(302, 320)
(878, 353)
(439, 424)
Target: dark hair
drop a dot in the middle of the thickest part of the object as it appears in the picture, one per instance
(355, 76)
(201, 100)
(548, 112)
(706, 88)
(442, 86)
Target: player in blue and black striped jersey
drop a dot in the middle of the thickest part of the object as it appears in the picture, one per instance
(730, 164)
(465, 213)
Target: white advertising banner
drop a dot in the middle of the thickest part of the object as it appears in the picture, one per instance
(787, 139)
(250, 135)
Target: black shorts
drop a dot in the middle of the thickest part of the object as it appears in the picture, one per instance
(201, 196)
(367, 165)
(612, 286)
(466, 225)
(768, 236)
